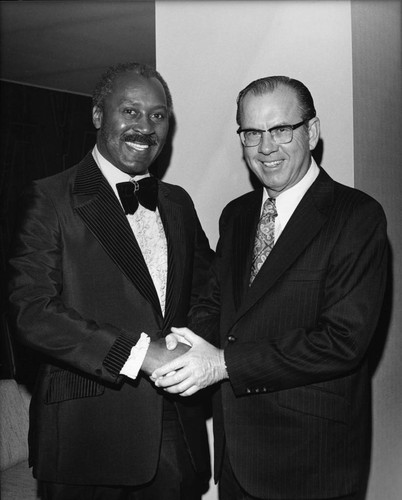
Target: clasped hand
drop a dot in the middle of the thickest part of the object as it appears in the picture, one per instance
(200, 367)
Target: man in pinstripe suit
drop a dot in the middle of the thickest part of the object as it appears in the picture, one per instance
(95, 286)
(288, 348)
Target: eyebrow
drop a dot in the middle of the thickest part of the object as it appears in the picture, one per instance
(157, 107)
(283, 124)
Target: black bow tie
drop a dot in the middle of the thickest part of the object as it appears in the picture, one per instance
(144, 191)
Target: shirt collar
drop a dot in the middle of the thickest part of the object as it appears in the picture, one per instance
(112, 174)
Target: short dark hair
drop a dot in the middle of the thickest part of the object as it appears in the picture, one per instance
(270, 83)
(105, 84)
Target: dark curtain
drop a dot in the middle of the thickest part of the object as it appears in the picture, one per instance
(42, 132)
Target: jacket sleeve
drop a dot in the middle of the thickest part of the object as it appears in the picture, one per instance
(40, 318)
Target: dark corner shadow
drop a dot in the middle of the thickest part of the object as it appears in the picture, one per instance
(160, 166)
(317, 154)
(381, 333)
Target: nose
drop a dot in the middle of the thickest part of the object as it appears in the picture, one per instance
(144, 124)
(267, 144)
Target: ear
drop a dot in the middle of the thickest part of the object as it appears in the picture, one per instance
(97, 115)
(313, 132)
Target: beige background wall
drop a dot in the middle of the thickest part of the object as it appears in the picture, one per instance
(209, 50)
(377, 88)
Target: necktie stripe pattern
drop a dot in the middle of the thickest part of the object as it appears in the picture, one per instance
(265, 237)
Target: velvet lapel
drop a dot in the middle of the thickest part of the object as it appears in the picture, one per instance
(173, 223)
(97, 205)
(302, 227)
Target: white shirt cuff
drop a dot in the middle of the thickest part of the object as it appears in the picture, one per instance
(137, 355)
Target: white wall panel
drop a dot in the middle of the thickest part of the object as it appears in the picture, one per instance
(209, 50)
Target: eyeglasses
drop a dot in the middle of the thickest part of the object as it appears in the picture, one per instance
(281, 134)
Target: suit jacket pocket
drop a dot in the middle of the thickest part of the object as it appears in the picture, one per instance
(65, 385)
(314, 401)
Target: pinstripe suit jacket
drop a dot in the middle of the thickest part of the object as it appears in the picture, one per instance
(295, 411)
(81, 294)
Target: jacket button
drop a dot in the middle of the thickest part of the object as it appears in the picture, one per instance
(231, 338)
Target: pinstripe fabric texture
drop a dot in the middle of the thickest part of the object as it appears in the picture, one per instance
(103, 217)
(295, 416)
(65, 385)
(114, 233)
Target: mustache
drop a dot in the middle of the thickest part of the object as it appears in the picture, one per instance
(149, 140)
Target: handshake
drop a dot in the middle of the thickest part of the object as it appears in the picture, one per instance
(183, 363)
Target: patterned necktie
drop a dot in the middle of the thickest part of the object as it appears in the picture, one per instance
(264, 238)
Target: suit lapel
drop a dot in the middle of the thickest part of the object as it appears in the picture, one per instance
(245, 226)
(97, 205)
(305, 223)
(172, 219)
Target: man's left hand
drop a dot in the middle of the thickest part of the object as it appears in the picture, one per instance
(203, 365)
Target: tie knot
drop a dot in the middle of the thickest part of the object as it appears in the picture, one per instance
(269, 208)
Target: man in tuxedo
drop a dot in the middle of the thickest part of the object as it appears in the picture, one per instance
(106, 259)
(292, 302)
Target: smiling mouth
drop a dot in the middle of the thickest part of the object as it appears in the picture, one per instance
(137, 146)
(271, 164)
(139, 142)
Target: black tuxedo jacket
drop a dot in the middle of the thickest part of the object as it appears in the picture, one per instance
(81, 294)
(295, 411)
